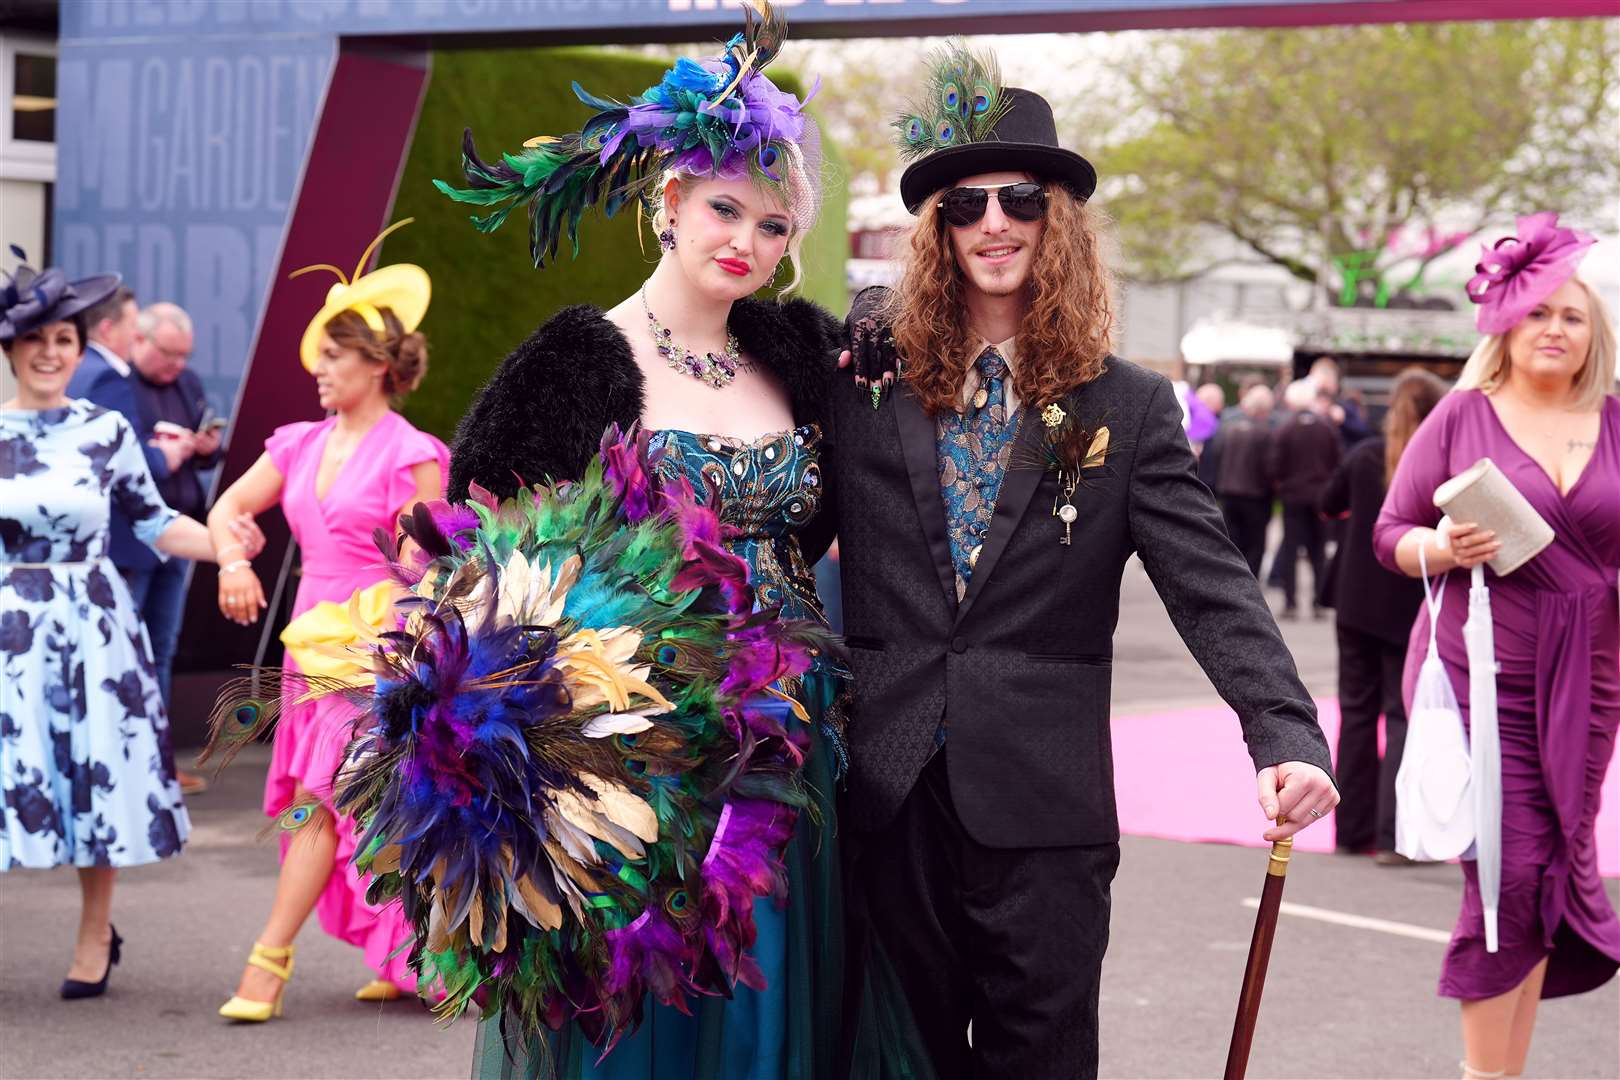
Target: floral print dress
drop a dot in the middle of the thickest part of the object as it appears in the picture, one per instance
(82, 723)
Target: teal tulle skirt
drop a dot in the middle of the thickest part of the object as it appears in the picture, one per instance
(789, 1031)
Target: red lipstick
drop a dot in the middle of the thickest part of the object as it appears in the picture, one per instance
(734, 266)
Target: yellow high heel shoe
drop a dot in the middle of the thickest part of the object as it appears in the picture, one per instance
(379, 990)
(278, 962)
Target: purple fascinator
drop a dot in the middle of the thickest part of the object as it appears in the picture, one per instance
(1518, 272)
(718, 117)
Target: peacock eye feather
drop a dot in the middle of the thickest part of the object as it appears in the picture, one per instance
(950, 96)
(945, 133)
(247, 715)
(678, 902)
(984, 96)
(295, 817)
(916, 130)
(667, 655)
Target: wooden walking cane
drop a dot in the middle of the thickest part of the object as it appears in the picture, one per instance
(1254, 975)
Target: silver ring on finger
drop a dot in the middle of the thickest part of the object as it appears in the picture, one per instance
(1315, 813)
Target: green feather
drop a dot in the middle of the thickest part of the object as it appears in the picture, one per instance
(962, 101)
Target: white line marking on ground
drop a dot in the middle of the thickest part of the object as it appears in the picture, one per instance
(1359, 922)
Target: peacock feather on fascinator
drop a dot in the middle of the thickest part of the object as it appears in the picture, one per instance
(962, 101)
(720, 117)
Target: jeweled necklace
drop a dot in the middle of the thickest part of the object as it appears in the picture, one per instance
(716, 370)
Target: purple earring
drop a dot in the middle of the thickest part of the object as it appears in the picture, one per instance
(666, 239)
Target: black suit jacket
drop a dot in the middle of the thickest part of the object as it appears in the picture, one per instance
(1020, 670)
(1367, 597)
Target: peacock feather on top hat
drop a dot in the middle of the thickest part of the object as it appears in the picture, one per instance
(966, 121)
(962, 101)
(719, 117)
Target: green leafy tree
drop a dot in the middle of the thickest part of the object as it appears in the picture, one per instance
(1354, 154)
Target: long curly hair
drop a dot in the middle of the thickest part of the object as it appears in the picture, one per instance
(1067, 329)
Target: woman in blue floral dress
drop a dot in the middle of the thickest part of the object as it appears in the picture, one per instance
(82, 780)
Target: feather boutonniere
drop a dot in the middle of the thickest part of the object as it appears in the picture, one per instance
(1072, 449)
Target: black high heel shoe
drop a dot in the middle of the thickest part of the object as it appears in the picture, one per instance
(73, 989)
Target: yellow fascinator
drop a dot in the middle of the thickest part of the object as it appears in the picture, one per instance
(402, 287)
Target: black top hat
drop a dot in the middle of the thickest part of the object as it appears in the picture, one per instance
(30, 299)
(1024, 139)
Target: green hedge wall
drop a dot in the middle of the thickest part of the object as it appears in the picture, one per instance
(486, 295)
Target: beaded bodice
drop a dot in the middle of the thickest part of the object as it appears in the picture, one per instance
(769, 489)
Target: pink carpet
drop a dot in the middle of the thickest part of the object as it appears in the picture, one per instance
(1185, 775)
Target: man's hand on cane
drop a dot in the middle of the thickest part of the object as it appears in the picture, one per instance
(1301, 792)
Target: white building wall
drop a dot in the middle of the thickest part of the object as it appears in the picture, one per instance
(22, 222)
(27, 169)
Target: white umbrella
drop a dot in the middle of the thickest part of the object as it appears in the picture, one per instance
(1485, 750)
(1482, 493)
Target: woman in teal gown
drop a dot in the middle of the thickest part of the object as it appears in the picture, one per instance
(731, 389)
(792, 1027)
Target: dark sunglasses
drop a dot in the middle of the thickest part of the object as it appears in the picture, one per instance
(964, 206)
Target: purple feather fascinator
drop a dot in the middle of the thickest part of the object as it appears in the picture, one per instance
(1518, 272)
(720, 117)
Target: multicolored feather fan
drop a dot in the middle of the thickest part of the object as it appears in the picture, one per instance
(962, 102)
(719, 117)
(576, 770)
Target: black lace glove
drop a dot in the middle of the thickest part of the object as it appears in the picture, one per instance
(871, 345)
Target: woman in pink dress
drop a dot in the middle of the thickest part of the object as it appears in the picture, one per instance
(337, 480)
(1537, 398)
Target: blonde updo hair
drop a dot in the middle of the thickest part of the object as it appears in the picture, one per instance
(1487, 368)
(798, 193)
(404, 356)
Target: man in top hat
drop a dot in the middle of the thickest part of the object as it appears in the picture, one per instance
(988, 500)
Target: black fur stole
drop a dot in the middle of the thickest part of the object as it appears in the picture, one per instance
(541, 415)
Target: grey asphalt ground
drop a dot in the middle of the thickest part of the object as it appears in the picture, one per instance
(1340, 1001)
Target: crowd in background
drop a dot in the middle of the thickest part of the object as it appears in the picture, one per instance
(1305, 451)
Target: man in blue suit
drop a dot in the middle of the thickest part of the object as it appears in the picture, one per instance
(106, 378)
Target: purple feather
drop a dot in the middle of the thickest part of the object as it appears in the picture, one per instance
(744, 863)
(627, 468)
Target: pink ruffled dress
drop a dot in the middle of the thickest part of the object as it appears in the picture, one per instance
(338, 557)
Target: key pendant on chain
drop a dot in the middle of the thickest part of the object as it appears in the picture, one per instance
(1067, 514)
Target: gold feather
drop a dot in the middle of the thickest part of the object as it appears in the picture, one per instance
(475, 917)
(542, 912)
(625, 809)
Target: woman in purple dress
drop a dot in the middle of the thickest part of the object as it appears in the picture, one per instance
(1536, 398)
